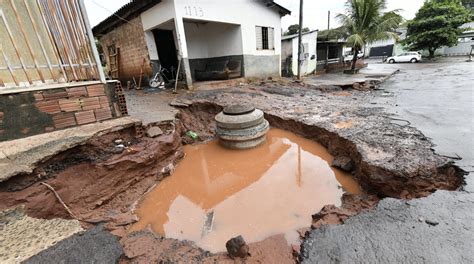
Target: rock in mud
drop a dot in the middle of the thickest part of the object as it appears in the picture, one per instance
(237, 248)
(344, 163)
(154, 132)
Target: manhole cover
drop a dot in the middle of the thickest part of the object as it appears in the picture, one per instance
(238, 109)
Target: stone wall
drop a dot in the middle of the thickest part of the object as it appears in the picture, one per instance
(34, 112)
(130, 39)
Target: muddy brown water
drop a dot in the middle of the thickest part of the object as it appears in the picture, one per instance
(215, 193)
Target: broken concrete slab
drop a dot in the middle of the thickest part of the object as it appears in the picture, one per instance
(92, 246)
(363, 80)
(22, 236)
(151, 107)
(393, 233)
(180, 102)
(154, 132)
(21, 155)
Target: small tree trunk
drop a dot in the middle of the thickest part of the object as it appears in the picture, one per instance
(354, 59)
(432, 52)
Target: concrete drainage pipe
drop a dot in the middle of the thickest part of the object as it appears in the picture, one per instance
(241, 127)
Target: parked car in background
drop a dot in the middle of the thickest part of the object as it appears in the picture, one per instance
(348, 57)
(411, 56)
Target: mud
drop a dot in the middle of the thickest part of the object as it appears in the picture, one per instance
(97, 181)
(148, 247)
(216, 193)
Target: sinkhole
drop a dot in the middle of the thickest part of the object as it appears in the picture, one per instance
(216, 193)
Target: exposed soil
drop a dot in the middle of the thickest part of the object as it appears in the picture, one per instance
(98, 181)
(102, 183)
(147, 247)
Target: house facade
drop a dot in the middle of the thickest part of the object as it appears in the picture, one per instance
(50, 75)
(289, 53)
(205, 36)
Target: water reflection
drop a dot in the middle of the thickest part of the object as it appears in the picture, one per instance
(216, 193)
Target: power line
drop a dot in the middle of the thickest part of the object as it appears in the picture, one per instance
(114, 13)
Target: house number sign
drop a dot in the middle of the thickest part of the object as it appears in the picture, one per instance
(193, 11)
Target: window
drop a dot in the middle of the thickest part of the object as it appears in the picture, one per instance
(265, 38)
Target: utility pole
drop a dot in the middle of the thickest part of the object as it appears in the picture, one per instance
(299, 40)
(327, 39)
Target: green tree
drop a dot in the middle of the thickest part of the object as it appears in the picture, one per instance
(365, 21)
(294, 29)
(436, 24)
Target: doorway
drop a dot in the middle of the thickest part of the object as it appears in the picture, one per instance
(166, 48)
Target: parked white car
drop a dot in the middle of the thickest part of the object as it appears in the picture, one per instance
(350, 56)
(411, 56)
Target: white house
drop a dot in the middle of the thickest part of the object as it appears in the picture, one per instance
(214, 39)
(289, 53)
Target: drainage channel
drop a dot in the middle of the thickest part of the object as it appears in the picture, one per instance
(216, 193)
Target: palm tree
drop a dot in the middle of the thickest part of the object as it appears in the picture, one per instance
(365, 21)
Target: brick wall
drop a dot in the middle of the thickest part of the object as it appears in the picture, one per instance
(30, 113)
(130, 38)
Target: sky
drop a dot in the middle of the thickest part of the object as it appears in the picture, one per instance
(314, 13)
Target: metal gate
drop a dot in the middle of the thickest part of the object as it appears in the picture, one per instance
(46, 41)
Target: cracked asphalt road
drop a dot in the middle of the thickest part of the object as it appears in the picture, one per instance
(438, 99)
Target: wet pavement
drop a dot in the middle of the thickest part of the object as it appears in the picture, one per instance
(438, 99)
(217, 193)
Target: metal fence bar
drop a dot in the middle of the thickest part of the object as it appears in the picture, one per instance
(8, 65)
(79, 39)
(63, 33)
(88, 28)
(68, 39)
(75, 13)
(51, 39)
(43, 49)
(22, 29)
(10, 35)
(58, 36)
(73, 48)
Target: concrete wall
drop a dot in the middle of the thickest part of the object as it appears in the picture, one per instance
(309, 41)
(210, 39)
(463, 48)
(261, 66)
(133, 49)
(220, 40)
(35, 112)
(247, 13)
(286, 57)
